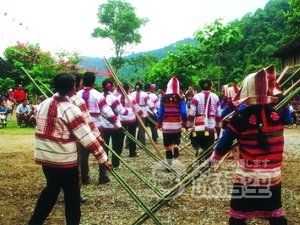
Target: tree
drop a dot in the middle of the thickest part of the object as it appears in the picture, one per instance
(41, 66)
(185, 62)
(120, 24)
(216, 39)
(293, 17)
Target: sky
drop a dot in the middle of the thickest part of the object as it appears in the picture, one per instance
(66, 25)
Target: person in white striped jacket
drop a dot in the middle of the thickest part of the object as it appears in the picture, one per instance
(59, 126)
(98, 108)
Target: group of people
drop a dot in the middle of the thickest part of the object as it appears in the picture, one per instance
(17, 100)
(79, 120)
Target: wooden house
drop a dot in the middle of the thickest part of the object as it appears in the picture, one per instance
(290, 62)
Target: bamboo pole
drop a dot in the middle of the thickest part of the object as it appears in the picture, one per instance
(50, 91)
(157, 159)
(292, 87)
(135, 197)
(129, 102)
(194, 174)
(175, 191)
(282, 74)
(290, 77)
(33, 81)
(154, 187)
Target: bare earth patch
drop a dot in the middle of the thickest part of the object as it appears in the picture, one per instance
(199, 203)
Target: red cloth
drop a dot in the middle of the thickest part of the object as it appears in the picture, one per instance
(19, 95)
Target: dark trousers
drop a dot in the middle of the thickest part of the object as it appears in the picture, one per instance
(57, 179)
(141, 134)
(151, 123)
(131, 128)
(200, 140)
(84, 163)
(22, 119)
(117, 139)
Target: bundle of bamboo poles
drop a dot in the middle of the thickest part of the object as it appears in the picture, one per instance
(193, 171)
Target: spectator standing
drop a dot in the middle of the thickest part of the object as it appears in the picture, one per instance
(97, 107)
(258, 129)
(60, 126)
(19, 94)
(172, 116)
(203, 114)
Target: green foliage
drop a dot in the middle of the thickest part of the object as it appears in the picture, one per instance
(120, 24)
(5, 84)
(41, 66)
(222, 53)
(184, 63)
(293, 17)
(227, 53)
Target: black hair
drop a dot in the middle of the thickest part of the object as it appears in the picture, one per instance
(107, 84)
(88, 79)
(63, 83)
(147, 87)
(205, 84)
(125, 86)
(138, 86)
(166, 98)
(78, 78)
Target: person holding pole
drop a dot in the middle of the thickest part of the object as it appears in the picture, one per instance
(59, 126)
(258, 129)
(83, 154)
(98, 108)
(108, 129)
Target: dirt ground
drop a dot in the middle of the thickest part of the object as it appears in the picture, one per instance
(21, 182)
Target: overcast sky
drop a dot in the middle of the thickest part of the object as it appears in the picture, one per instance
(67, 24)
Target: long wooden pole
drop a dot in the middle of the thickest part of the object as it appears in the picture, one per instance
(129, 102)
(282, 74)
(193, 175)
(33, 81)
(50, 91)
(290, 77)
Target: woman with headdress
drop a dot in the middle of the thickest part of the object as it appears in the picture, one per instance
(258, 129)
(172, 116)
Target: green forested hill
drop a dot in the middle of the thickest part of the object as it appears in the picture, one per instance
(263, 32)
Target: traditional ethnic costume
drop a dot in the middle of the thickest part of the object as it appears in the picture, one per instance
(171, 115)
(258, 129)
